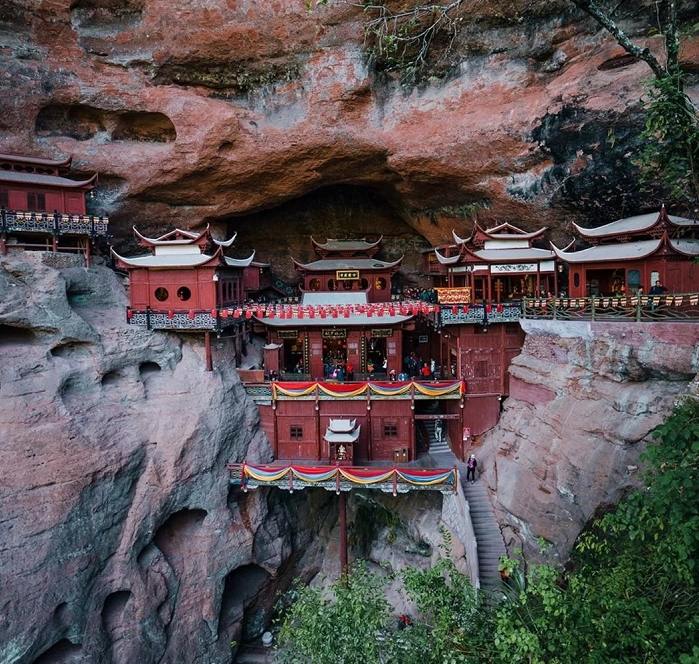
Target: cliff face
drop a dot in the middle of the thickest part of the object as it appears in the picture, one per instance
(585, 398)
(119, 538)
(197, 113)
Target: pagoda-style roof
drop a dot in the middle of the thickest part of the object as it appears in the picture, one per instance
(628, 251)
(342, 437)
(184, 249)
(170, 260)
(342, 426)
(346, 248)
(362, 264)
(653, 224)
(46, 180)
(34, 161)
(182, 237)
(504, 255)
(184, 260)
(504, 231)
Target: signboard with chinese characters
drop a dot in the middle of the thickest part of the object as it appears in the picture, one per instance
(346, 275)
(382, 332)
(454, 295)
(288, 334)
(331, 333)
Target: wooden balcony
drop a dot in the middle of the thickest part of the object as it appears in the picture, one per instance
(17, 221)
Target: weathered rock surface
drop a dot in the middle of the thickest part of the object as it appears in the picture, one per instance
(585, 398)
(120, 541)
(211, 113)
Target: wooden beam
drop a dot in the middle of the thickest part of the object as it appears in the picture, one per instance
(207, 350)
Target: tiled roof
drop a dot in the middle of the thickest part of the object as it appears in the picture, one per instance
(36, 161)
(610, 252)
(635, 224)
(44, 180)
(346, 245)
(328, 264)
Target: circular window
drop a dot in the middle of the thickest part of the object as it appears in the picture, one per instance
(161, 294)
(314, 284)
(380, 284)
(363, 284)
(332, 285)
(183, 293)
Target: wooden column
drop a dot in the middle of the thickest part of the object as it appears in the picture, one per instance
(462, 408)
(319, 443)
(87, 252)
(54, 243)
(342, 505)
(207, 350)
(275, 442)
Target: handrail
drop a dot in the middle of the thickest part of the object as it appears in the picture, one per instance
(56, 223)
(635, 308)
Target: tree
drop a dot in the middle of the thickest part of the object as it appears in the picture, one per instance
(632, 595)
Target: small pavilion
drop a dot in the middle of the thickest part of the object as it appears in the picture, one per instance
(634, 253)
(494, 265)
(186, 282)
(43, 209)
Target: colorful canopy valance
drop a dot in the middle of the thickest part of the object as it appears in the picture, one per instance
(384, 389)
(438, 478)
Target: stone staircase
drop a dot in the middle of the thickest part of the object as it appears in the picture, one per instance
(435, 446)
(488, 535)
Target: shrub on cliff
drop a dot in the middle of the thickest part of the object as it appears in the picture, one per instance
(633, 596)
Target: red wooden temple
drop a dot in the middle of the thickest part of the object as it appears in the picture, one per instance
(634, 253)
(43, 209)
(186, 283)
(494, 265)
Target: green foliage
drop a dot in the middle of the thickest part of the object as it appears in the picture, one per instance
(347, 624)
(670, 154)
(633, 596)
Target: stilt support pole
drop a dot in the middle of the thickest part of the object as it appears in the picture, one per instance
(207, 346)
(343, 533)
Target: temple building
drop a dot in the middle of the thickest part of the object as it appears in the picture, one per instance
(186, 282)
(345, 318)
(494, 265)
(42, 209)
(634, 253)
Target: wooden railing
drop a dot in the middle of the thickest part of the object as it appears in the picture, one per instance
(19, 221)
(645, 308)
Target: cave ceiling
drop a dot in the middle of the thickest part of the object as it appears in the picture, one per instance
(275, 119)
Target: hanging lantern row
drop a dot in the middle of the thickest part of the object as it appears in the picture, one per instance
(327, 311)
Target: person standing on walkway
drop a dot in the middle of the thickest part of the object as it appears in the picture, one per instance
(438, 431)
(471, 466)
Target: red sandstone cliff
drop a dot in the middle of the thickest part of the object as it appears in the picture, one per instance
(221, 112)
(585, 398)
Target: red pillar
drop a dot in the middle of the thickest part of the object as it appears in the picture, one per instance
(207, 347)
(342, 503)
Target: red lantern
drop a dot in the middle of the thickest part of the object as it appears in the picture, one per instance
(214, 313)
(488, 307)
(236, 313)
(323, 313)
(248, 314)
(170, 314)
(270, 313)
(466, 308)
(311, 313)
(224, 313)
(369, 313)
(499, 308)
(392, 311)
(191, 314)
(455, 309)
(129, 314)
(347, 313)
(334, 314)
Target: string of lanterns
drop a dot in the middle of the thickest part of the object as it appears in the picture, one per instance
(299, 311)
